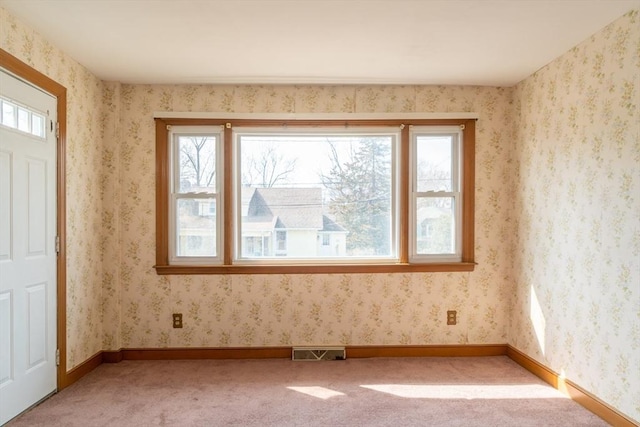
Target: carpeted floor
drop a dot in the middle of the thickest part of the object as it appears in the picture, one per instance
(486, 391)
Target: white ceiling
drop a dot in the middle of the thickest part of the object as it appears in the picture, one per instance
(482, 42)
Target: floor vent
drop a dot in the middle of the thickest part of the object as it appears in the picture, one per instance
(313, 354)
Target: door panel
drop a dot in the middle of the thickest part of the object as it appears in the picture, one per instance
(27, 248)
(36, 207)
(37, 311)
(6, 332)
(5, 208)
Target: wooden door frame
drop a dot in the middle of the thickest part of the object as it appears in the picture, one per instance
(36, 78)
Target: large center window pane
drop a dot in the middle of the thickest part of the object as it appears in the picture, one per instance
(315, 196)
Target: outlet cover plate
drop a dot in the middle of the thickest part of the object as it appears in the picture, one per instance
(177, 320)
(452, 317)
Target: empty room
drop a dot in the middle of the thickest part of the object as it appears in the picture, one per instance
(319, 212)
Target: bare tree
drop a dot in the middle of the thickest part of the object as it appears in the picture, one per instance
(198, 160)
(266, 168)
(433, 178)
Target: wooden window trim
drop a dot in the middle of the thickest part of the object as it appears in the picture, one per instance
(163, 267)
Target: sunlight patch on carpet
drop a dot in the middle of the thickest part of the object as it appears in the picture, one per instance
(461, 391)
(319, 392)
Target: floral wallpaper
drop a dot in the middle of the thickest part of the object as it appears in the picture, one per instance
(273, 310)
(84, 201)
(557, 222)
(577, 232)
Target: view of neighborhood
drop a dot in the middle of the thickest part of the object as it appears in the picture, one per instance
(305, 197)
(289, 222)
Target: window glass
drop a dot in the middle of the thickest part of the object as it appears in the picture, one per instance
(37, 125)
(8, 114)
(197, 163)
(435, 218)
(436, 207)
(194, 215)
(196, 233)
(313, 187)
(434, 163)
(23, 120)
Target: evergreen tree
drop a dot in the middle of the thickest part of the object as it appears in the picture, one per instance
(360, 195)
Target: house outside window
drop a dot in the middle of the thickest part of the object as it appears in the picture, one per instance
(281, 239)
(293, 215)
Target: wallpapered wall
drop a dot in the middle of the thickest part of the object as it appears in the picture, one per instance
(85, 251)
(577, 174)
(271, 310)
(563, 234)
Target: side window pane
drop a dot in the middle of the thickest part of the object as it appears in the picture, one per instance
(435, 226)
(195, 232)
(37, 125)
(195, 217)
(197, 163)
(436, 218)
(316, 196)
(9, 114)
(23, 120)
(434, 163)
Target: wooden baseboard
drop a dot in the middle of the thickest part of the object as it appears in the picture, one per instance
(574, 391)
(353, 352)
(81, 370)
(206, 353)
(112, 356)
(356, 352)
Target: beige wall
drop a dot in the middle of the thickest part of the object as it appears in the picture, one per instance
(577, 251)
(270, 310)
(556, 215)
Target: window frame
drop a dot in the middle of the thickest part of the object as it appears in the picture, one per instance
(174, 132)
(392, 132)
(456, 193)
(163, 265)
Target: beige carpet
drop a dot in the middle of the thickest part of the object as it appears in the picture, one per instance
(487, 391)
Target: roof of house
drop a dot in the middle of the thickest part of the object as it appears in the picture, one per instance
(293, 207)
(287, 208)
(329, 225)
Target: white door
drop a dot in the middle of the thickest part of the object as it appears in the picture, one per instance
(27, 246)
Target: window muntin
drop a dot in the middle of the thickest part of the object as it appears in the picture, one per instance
(436, 196)
(194, 195)
(308, 183)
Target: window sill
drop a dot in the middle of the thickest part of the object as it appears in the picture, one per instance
(314, 269)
